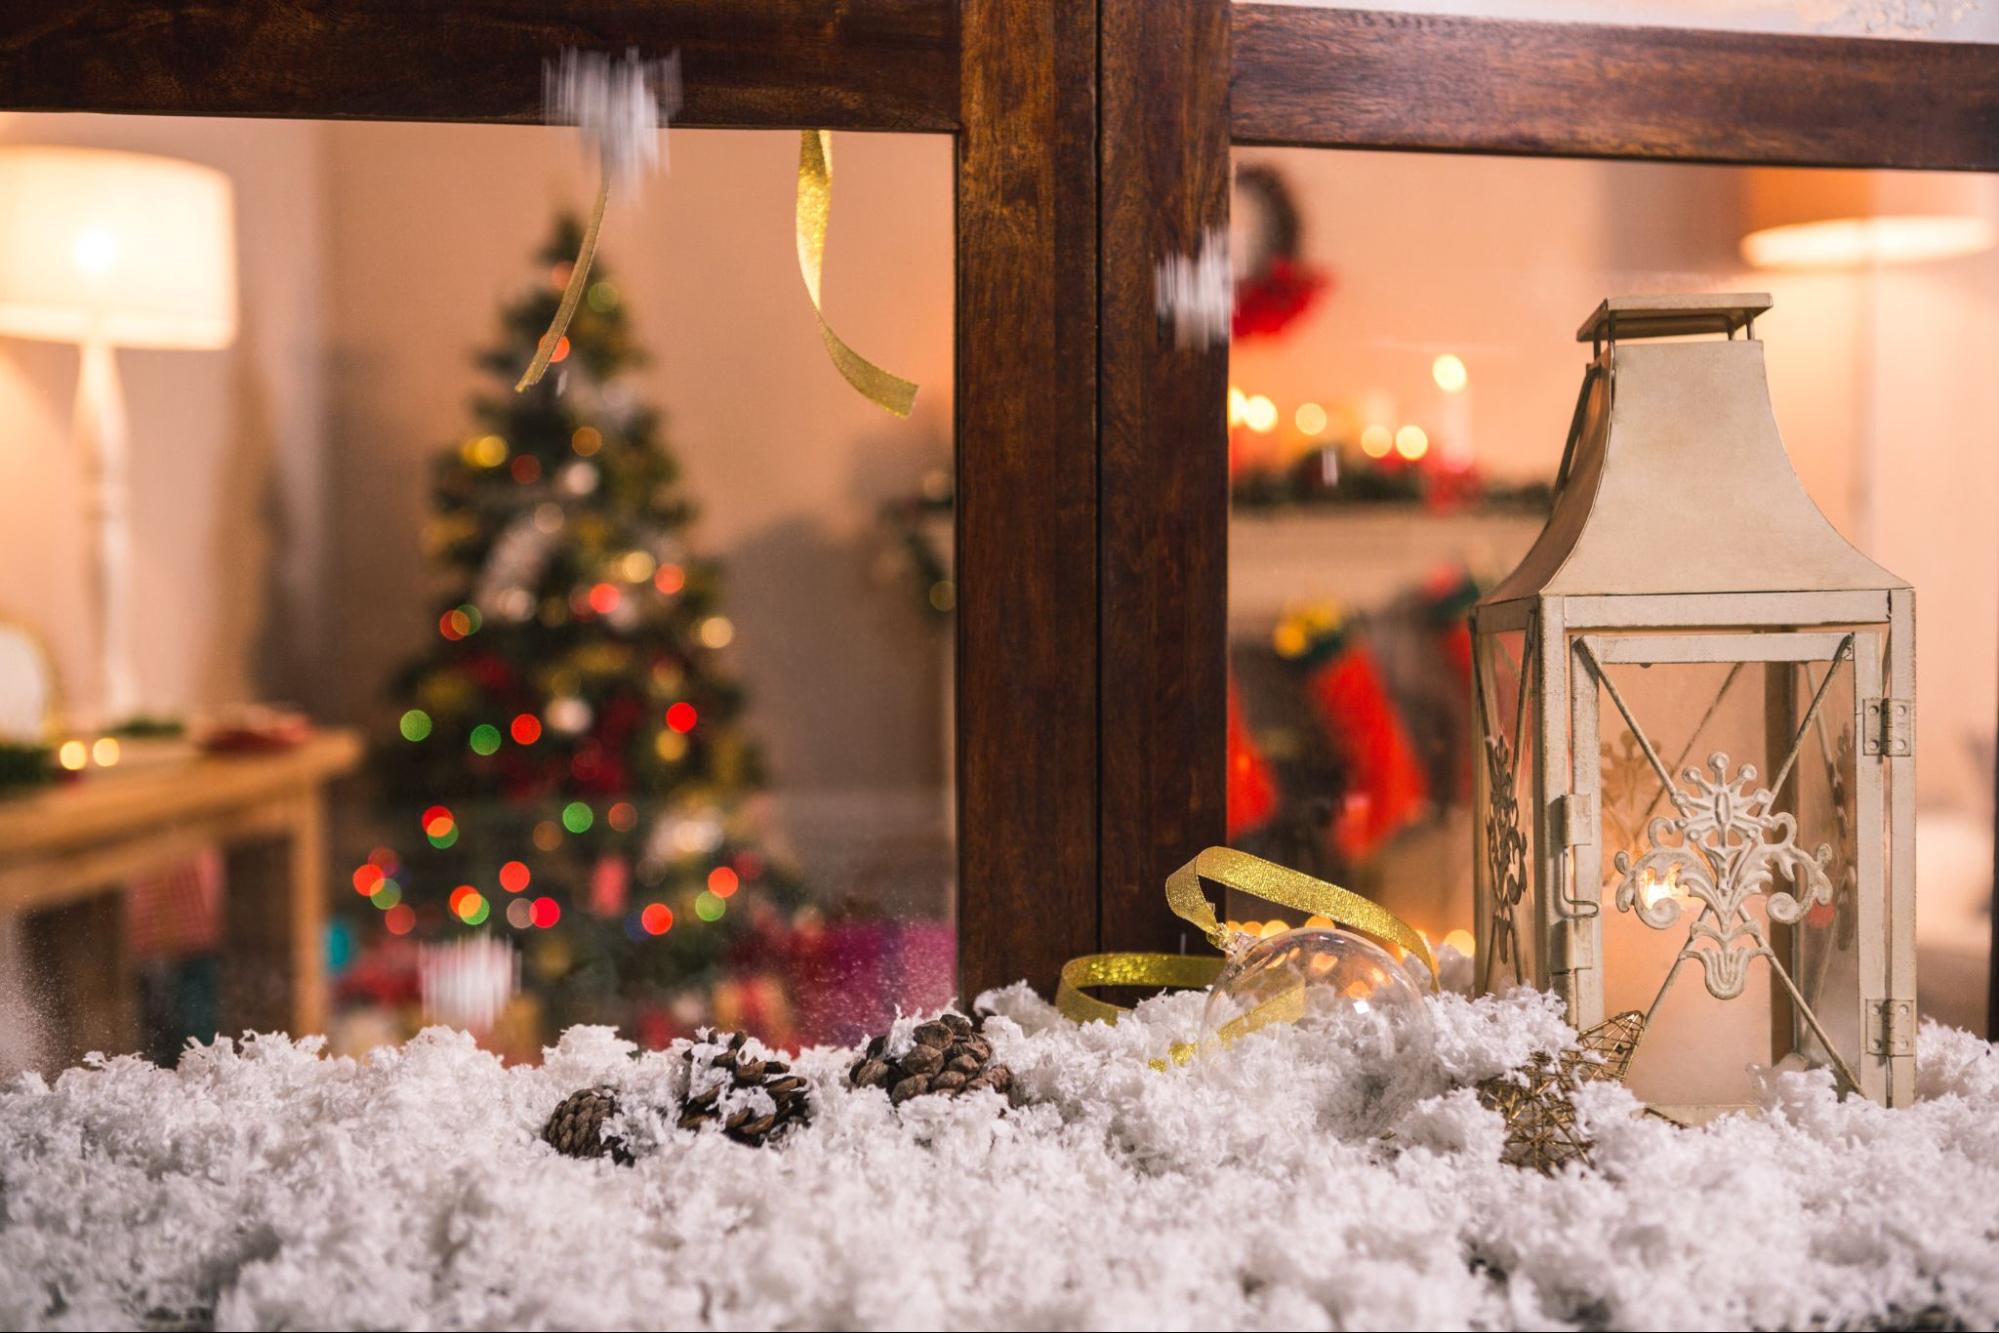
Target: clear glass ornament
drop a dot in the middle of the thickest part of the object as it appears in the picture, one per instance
(1325, 978)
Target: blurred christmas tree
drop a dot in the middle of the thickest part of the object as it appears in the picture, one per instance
(571, 769)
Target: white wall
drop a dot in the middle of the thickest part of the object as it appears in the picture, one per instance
(226, 446)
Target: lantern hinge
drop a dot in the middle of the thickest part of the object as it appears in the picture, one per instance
(1572, 820)
(1890, 728)
(1893, 1031)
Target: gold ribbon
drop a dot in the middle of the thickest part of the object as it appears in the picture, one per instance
(572, 292)
(1187, 896)
(815, 210)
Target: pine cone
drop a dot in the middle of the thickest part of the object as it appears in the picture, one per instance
(950, 1056)
(576, 1127)
(752, 1098)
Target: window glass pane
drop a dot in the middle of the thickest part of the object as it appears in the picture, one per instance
(630, 704)
(1405, 369)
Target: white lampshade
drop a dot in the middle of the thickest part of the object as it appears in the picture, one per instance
(1844, 219)
(122, 249)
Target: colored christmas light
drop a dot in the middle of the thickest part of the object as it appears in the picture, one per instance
(485, 739)
(709, 907)
(367, 878)
(657, 918)
(415, 725)
(622, 816)
(525, 728)
(681, 717)
(514, 876)
(723, 882)
(400, 919)
(546, 912)
(577, 817)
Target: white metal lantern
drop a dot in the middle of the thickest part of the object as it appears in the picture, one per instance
(1696, 706)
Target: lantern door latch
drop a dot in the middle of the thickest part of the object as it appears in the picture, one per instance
(1890, 728)
(1893, 1029)
(1572, 819)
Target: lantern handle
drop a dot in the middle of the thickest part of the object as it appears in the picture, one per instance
(1576, 426)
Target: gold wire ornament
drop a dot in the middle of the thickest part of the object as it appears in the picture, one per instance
(1537, 1100)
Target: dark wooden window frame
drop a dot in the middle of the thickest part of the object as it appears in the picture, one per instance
(1092, 138)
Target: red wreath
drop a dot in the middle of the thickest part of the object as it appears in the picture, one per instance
(1278, 286)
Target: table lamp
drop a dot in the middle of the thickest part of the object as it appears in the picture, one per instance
(106, 250)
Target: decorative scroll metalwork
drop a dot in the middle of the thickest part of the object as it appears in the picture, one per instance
(1628, 790)
(1725, 846)
(1505, 837)
(1505, 848)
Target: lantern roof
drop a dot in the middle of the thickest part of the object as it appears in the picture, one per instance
(1675, 479)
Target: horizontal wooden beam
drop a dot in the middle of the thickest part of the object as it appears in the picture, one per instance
(746, 64)
(1342, 78)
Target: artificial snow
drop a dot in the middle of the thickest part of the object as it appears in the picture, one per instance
(1300, 1179)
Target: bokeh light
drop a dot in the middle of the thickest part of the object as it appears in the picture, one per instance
(623, 816)
(515, 876)
(525, 728)
(657, 918)
(681, 717)
(723, 882)
(545, 912)
(577, 817)
(669, 579)
(709, 907)
(400, 919)
(415, 725)
(485, 739)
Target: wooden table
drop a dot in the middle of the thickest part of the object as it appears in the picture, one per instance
(66, 852)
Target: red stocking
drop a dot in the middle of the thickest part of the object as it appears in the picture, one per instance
(1252, 791)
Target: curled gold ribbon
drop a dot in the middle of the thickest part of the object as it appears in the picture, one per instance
(572, 292)
(1230, 869)
(1186, 895)
(815, 210)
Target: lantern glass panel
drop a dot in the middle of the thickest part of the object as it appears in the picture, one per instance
(1748, 861)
